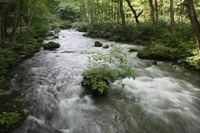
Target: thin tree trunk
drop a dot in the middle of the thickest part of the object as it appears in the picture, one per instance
(172, 16)
(134, 12)
(15, 23)
(156, 11)
(152, 12)
(122, 14)
(1, 23)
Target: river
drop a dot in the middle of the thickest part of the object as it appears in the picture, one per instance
(164, 98)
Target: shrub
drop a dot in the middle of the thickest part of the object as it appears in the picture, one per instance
(97, 77)
(80, 26)
(9, 118)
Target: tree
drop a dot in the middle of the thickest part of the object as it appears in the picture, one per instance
(122, 14)
(134, 12)
(193, 18)
(172, 16)
(152, 11)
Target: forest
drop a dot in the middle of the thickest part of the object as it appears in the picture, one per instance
(169, 30)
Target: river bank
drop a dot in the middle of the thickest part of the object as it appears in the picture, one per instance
(12, 54)
(159, 43)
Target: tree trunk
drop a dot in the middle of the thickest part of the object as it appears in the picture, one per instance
(3, 27)
(156, 11)
(15, 23)
(122, 14)
(1, 24)
(172, 16)
(152, 12)
(193, 18)
(134, 12)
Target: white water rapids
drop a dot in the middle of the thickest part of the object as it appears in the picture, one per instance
(162, 99)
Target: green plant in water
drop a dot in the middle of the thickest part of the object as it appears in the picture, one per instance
(107, 68)
(9, 118)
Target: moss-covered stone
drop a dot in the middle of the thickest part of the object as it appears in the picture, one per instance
(156, 52)
(133, 50)
(98, 44)
(51, 46)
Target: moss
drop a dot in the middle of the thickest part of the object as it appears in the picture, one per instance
(156, 52)
(51, 46)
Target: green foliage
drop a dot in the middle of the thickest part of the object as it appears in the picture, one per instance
(65, 24)
(98, 76)
(40, 28)
(68, 13)
(80, 26)
(9, 118)
(194, 61)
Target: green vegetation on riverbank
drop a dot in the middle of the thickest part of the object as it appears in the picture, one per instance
(11, 53)
(158, 41)
(23, 27)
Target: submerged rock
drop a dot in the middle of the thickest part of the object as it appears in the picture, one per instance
(51, 46)
(55, 37)
(105, 46)
(153, 62)
(98, 44)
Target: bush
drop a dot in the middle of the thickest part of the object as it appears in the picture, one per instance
(80, 26)
(9, 118)
(65, 24)
(97, 78)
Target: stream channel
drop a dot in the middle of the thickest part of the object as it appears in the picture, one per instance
(164, 98)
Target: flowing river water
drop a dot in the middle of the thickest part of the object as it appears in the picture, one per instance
(164, 98)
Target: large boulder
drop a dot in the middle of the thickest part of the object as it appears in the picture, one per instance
(98, 44)
(51, 46)
(156, 52)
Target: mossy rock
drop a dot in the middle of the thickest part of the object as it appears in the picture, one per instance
(98, 44)
(105, 46)
(156, 52)
(133, 50)
(51, 46)
(55, 37)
